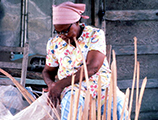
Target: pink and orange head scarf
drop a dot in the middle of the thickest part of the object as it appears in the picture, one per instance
(68, 12)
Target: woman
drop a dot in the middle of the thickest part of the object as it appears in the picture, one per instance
(64, 58)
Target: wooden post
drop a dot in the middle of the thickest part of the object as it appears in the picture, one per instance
(140, 97)
(110, 100)
(105, 102)
(72, 99)
(78, 94)
(134, 76)
(99, 98)
(137, 88)
(24, 64)
(125, 103)
(23, 91)
(114, 79)
(26, 47)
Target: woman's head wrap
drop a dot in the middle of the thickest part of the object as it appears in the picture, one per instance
(68, 12)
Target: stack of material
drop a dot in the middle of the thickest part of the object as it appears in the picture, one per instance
(11, 102)
(14, 107)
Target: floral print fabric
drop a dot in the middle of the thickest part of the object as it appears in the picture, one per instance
(69, 59)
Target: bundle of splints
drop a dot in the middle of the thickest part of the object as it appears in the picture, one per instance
(90, 111)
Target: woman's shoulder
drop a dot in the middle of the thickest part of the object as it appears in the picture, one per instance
(93, 29)
(53, 40)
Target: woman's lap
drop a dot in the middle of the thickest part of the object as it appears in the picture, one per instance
(65, 106)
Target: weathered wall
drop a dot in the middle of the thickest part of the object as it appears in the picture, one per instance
(120, 34)
(131, 4)
(39, 25)
(10, 14)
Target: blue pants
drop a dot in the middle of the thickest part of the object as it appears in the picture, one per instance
(65, 106)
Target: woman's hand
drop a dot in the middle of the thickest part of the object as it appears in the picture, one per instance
(54, 92)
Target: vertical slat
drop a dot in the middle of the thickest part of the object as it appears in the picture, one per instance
(80, 113)
(114, 79)
(93, 109)
(140, 97)
(78, 97)
(99, 98)
(137, 88)
(26, 47)
(72, 98)
(22, 23)
(87, 98)
(84, 64)
(125, 103)
(134, 76)
(86, 106)
(90, 108)
(24, 64)
(110, 100)
(105, 102)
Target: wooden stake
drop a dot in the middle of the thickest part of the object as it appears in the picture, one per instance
(86, 106)
(84, 63)
(87, 98)
(23, 91)
(90, 108)
(77, 99)
(125, 103)
(134, 76)
(127, 106)
(99, 98)
(114, 78)
(93, 109)
(80, 113)
(72, 98)
(105, 102)
(137, 88)
(140, 97)
(110, 100)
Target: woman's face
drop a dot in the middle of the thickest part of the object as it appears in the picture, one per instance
(67, 31)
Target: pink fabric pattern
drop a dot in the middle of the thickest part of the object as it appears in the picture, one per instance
(68, 12)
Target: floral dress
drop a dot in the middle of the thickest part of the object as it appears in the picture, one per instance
(69, 59)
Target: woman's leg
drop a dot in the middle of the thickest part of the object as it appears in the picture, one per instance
(65, 105)
(120, 101)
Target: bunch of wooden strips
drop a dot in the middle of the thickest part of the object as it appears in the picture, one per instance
(89, 112)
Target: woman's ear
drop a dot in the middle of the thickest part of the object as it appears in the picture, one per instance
(77, 23)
